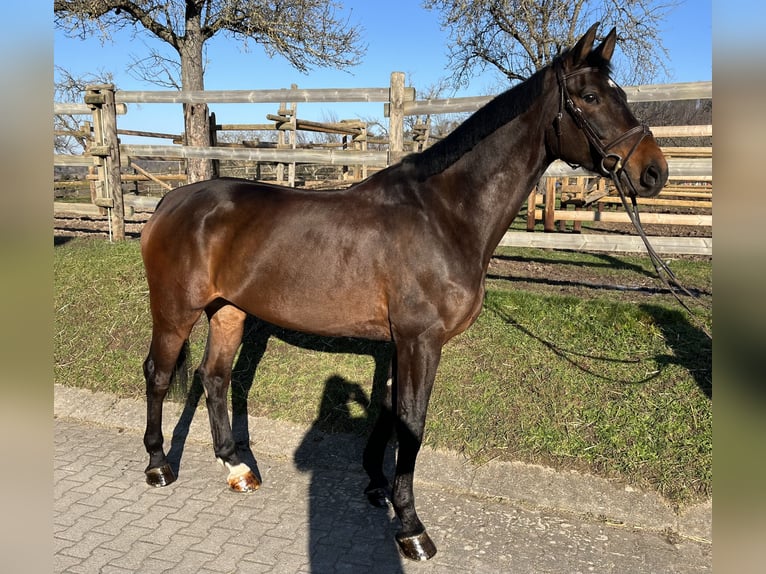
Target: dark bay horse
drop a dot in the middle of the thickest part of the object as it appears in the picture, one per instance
(399, 257)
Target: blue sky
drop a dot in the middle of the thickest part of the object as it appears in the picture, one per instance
(419, 50)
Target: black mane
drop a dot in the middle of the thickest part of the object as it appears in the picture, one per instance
(495, 114)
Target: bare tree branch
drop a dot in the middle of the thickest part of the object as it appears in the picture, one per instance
(518, 37)
(156, 69)
(307, 33)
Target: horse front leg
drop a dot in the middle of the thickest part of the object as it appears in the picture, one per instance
(417, 361)
(224, 338)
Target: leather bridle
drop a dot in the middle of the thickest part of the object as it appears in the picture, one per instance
(612, 165)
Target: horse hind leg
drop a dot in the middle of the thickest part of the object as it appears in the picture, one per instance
(164, 354)
(224, 338)
(378, 491)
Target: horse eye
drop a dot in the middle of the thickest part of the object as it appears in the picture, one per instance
(590, 98)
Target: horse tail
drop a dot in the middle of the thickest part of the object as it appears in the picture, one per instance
(179, 380)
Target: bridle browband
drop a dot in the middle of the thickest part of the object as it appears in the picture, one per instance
(612, 165)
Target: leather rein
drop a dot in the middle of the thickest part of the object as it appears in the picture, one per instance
(612, 165)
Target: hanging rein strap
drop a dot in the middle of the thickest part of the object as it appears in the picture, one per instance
(613, 166)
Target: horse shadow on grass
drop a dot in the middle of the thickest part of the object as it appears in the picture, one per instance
(692, 347)
(345, 531)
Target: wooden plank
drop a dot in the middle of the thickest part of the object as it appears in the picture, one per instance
(445, 106)
(328, 157)
(260, 96)
(247, 127)
(622, 217)
(682, 131)
(136, 177)
(63, 209)
(174, 137)
(71, 109)
(145, 173)
(680, 167)
(686, 178)
(320, 127)
(609, 243)
(136, 202)
(701, 203)
(685, 191)
(668, 92)
(72, 160)
(657, 92)
(674, 151)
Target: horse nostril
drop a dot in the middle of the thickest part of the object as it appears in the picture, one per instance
(651, 176)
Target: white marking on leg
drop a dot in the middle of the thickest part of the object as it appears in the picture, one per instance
(240, 469)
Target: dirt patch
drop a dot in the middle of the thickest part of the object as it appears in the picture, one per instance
(606, 276)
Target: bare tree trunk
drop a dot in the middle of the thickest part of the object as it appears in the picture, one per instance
(197, 134)
(196, 121)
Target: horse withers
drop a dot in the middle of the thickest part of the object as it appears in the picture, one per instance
(400, 256)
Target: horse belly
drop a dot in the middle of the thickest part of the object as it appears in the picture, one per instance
(316, 295)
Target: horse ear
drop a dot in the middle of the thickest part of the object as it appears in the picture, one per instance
(606, 48)
(584, 44)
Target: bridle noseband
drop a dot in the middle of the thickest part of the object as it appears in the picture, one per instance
(611, 164)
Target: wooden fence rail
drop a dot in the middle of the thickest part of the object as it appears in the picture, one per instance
(106, 155)
(316, 95)
(654, 93)
(321, 156)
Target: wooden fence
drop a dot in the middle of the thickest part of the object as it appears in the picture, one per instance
(106, 158)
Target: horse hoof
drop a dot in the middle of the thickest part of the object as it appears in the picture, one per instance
(160, 476)
(379, 497)
(246, 482)
(416, 547)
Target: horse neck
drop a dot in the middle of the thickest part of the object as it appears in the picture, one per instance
(484, 187)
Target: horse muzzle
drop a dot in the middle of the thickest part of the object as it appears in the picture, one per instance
(651, 178)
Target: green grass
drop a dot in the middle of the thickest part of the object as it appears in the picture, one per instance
(582, 384)
(604, 384)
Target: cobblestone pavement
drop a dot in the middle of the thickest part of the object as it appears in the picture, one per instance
(310, 516)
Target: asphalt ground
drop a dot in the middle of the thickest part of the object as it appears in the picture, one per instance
(310, 514)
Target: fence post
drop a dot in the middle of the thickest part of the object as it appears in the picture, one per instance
(396, 118)
(550, 204)
(293, 137)
(215, 167)
(106, 153)
(363, 147)
(532, 204)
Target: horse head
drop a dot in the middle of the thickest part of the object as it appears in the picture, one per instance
(594, 126)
